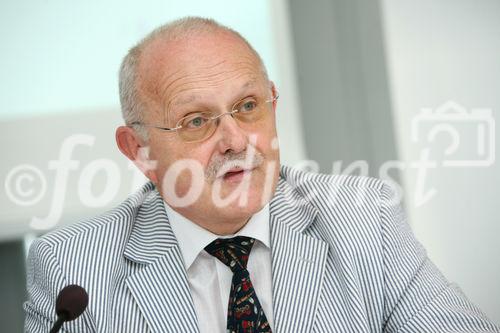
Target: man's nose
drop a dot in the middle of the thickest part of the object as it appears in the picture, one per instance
(232, 136)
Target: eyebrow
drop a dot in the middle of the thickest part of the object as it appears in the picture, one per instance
(193, 97)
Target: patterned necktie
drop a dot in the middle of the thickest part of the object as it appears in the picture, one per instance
(244, 313)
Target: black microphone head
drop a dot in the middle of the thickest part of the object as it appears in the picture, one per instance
(71, 302)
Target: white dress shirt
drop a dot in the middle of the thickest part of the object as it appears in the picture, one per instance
(210, 280)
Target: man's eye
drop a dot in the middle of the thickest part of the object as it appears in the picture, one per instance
(195, 122)
(247, 105)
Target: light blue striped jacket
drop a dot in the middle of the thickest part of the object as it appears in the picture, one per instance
(339, 264)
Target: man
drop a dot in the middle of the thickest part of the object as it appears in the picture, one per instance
(222, 238)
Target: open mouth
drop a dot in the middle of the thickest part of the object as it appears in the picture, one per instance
(234, 174)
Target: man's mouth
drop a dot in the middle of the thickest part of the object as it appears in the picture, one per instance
(235, 174)
(231, 173)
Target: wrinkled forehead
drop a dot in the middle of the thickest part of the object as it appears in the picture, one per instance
(171, 72)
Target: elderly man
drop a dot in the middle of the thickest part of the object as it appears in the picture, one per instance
(223, 239)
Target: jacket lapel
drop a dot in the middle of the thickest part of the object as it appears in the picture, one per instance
(298, 261)
(159, 286)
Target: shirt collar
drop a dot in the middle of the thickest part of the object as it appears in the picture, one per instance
(192, 238)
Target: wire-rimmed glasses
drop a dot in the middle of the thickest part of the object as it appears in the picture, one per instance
(198, 126)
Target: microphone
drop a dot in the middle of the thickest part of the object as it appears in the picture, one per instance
(70, 304)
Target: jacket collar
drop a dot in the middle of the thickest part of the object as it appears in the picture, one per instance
(298, 258)
(289, 204)
(151, 235)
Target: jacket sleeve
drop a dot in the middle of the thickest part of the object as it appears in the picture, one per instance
(44, 281)
(418, 298)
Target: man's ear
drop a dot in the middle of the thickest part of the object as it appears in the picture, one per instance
(275, 93)
(136, 150)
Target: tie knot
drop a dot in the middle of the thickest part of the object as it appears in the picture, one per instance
(233, 252)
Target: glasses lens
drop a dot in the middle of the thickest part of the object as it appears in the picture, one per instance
(250, 110)
(200, 125)
(195, 127)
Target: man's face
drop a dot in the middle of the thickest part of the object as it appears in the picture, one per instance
(210, 73)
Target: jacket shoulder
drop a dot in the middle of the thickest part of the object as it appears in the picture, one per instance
(119, 217)
(344, 202)
(296, 177)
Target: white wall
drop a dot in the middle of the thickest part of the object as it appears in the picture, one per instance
(439, 51)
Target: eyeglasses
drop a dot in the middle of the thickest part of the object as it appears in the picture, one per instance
(198, 126)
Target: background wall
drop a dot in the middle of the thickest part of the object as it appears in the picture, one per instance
(342, 77)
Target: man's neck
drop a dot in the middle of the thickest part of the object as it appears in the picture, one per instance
(217, 226)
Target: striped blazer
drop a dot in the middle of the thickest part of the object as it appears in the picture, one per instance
(343, 260)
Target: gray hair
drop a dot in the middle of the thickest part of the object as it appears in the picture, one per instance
(132, 104)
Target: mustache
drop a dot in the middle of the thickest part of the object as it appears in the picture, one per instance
(247, 159)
